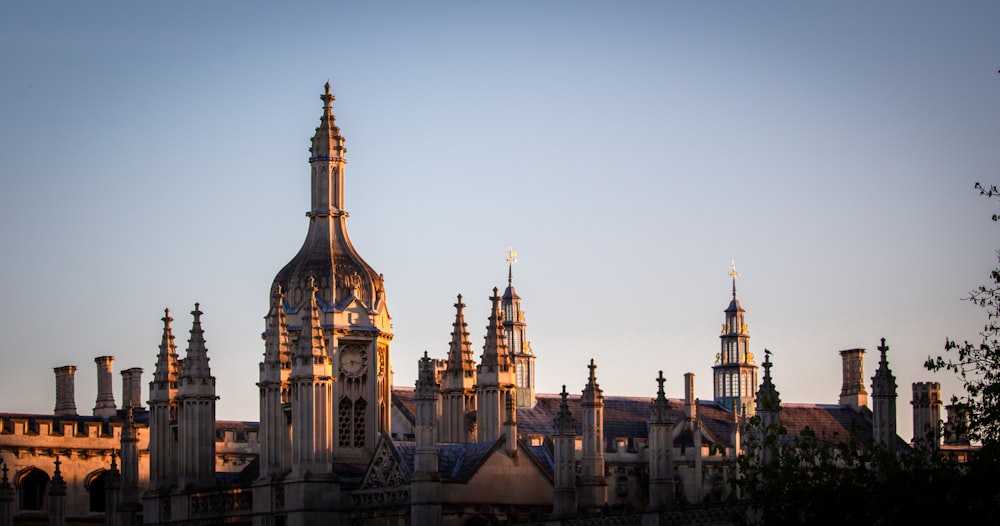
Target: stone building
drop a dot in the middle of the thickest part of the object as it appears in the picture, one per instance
(471, 443)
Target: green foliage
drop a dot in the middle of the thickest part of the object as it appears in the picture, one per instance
(805, 480)
(978, 364)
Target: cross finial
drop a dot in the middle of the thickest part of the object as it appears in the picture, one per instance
(592, 368)
(660, 379)
(733, 274)
(883, 348)
(767, 364)
(564, 394)
(511, 258)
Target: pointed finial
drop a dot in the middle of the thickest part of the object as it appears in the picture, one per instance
(734, 275)
(592, 368)
(327, 86)
(564, 394)
(197, 311)
(767, 364)
(511, 258)
(660, 379)
(58, 472)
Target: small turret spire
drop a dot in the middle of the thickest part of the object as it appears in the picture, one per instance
(460, 349)
(196, 361)
(495, 350)
(166, 360)
(660, 412)
(312, 342)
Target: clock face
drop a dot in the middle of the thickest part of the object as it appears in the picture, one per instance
(352, 361)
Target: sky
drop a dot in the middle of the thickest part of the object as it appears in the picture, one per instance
(154, 155)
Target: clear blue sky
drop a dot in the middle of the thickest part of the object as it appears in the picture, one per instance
(155, 154)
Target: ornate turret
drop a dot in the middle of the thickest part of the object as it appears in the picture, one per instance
(162, 411)
(196, 412)
(661, 477)
(494, 377)
(768, 407)
(884, 402)
(564, 458)
(593, 485)
(311, 382)
(275, 391)
(735, 372)
(350, 307)
(517, 343)
(458, 396)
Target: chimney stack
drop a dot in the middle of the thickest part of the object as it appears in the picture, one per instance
(132, 388)
(65, 391)
(690, 404)
(853, 392)
(105, 407)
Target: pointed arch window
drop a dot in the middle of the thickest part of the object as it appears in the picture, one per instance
(96, 485)
(31, 486)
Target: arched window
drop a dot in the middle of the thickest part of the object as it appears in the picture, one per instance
(96, 485)
(31, 487)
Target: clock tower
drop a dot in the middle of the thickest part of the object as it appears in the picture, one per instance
(329, 295)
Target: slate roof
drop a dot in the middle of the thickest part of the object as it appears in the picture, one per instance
(628, 417)
(459, 462)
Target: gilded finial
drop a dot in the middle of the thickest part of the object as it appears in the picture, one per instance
(511, 258)
(733, 274)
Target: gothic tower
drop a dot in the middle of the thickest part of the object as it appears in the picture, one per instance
(734, 370)
(353, 320)
(458, 397)
(517, 344)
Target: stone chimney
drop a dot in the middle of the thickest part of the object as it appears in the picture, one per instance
(132, 388)
(690, 403)
(853, 392)
(65, 391)
(926, 412)
(105, 407)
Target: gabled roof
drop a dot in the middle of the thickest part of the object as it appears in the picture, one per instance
(459, 462)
